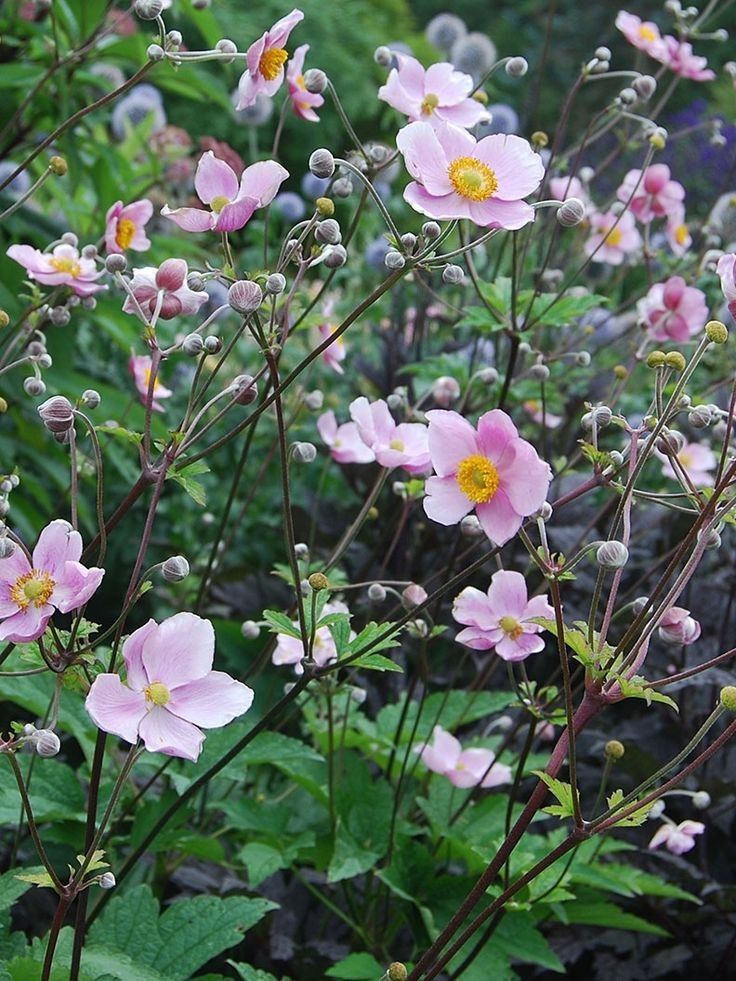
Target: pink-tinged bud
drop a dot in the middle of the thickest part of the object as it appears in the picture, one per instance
(445, 391)
(245, 296)
(413, 595)
(245, 388)
(57, 414)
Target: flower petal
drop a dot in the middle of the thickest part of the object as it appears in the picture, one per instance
(75, 586)
(472, 608)
(115, 708)
(190, 219)
(507, 594)
(26, 625)
(498, 518)
(495, 429)
(58, 543)
(445, 503)
(261, 181)
(181, 650)
(451, 439)
(424, 157)
(212, 701)
(236, 215)
(214, 179)
(133, 656)
(165, 733)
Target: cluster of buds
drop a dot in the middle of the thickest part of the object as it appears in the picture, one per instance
(44, 742)
(8, 483)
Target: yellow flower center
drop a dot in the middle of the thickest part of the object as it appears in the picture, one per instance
(614, 237)
(477, 478)
(147, 381)
(301, 84)
(218, 203)
(397, 444)
(472, 179)
(511, 627)
(157, 693)
(647, 34)
(429, 103)
(271, 63)
(33, 587)
(124, 233)
(70, 266)
(681, 234)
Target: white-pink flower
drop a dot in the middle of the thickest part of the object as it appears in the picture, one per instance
(394, 445)
(543, 418)
(54, 579)
(63, 266)
(164, 289)
(643, 34)
(726, 270)
(697, 461)
(335, 354)
(613, 237)
(677, 838)
(677, 232)
(170, 692)
(462, 767)
(265, 59)
(456, 176)
(491, 471)
(673, 311)
(290, 650)
(652, 194)
(563, 188)
(437, 95)
(679, 57)
(344, 441)
(139, 366)
(502, 618)
(125, 226)
(678, 627)
(302, 102)
(230, 203)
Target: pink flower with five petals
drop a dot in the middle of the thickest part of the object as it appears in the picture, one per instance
(125, 226)
(463, 767)
(63, 266)
(265, 59)
(395, 445)
(652, 194)
(679, 57)
(139, 366)
(677, 838)
(613, 237)
(643, 34)
(437, 95)
(344, 441)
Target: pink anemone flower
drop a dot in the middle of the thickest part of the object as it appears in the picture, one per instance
(564, 187)
(139, 366)
(463, 767)
(231, 203)
(543, 418)
(678, 234)
(653, 195)
(502, 618)
(164, 289)
(679, 57)
(54, 579)
(335, 353)
(673, 311)
(677, 838)
(344, 441)
(491, 471)
(643, 34)
(456, 176)
(265, 59)
(290, 650)
(125, 226)
(726, 270)
(678, 627)
(63, 266)
(612, 237)
(170, 692)
(697, 461)
(302, 102)
(403, 445)
(439, 94)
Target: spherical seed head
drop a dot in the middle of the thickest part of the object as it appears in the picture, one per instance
(444, 30)
(727, 698)
(276, 283)
(516, 67)
(328, 232)
(612, 555)
(148, 9)
(675, 360)
(571, 213)
(315, 81)
(397, 972)
(716, 331)
(318, 581)
(325, 206)
(614, 749)
(175, 568)
(58, 166)
(322, 163)
(57, 414)
(376, 593)
(245, 296)
(116, 263)
(656, 359)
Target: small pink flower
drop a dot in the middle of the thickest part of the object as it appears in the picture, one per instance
(344, 441)
(164, 289)
(492, 471)
(436, 95)
(302, 102)
(457, 177)
(265, 59)
(655, 195)
(563, 188)
(678, 234)
(139, 366)
(125, 226)
(290, 650)
(673, 311)
(502, 618)
(463, 767)
(678, 627)
(231, 203)
(643, 34)
(726, 269)
(335, 354)
(613, 237)
(679, 838)
(170, 692)
(64, 266)
(403, 445)
(697, 461)
(678, 56)
(548, 419)
(53, 580)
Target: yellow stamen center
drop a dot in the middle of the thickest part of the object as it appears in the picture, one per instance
(124, 233)
(271, 63)
(33, 587)
(647, 34)
(397, 444)
(511, 627)
(300, 82)
(157, 693)
(681, 234)
(218, 203)
(472, 179)
(429, 104)
(614, 237)
(477, 478)
(147, 381)
(70, 266)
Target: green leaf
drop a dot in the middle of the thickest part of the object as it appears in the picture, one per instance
(357, 967)
(377, 662)
(261, 861)
(248, 973)
(281, 624)
(590, 911)
(632, 820)
(56, 794)
(559, 789)
(12, 887)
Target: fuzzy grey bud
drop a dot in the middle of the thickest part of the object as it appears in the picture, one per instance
(489, 376)
(582, 358)
(670, 442)
(376, 593)
(116, 263)
(301, 550)
(645, 86)
(314, 400)
(45, 742)
(174, 38)
(612, 555)
(148, 9)
(89, 302)
(343, 187)
(328, 232)
(44, 360)
(57, 414)
(175, 568)
(699, 417)
(60, 316)
(89, 252)
(245, 296)
(712, 539)
(315, 81)
(409, 240)
(304, 452)
(603, 53)
(244, 389)
(382, 56)
(516, 67)
(394, 260)
(192, 345)
(627, 96)
(226, 46)
(656, 810)
(276, 283)
(445, 391)
(250, 629)
(701, 800)
(212, 344)
(336, 257)
(107, 881)
(34, 386)
(322, 163)
(69, 238)
(452, 274)
(471, 527)
(571, 213)
(154, 52)
(539, 372)
(91, 398)
(431, 230)
(196, 281)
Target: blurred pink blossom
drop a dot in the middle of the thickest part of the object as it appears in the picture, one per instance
(303, 102)
(140, 368)
(344, 441)
(125, 226)
(726, 270)
(462, 767)
(677, 838)
(653, 195)
(679, 57)
(290, 650)
(643, 34)
(63, 266)
(612, 237)
(437, 95)
(697, 461)
(673, 311)
(678, 627)
(395, 445)
(164, 289)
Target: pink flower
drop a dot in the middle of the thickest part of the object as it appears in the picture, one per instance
(64, 266)
(502, 618)
(302, 102)
(549, 419)
(679, 838)
(678, 627)
(492, 471)
(457, 177)
(170, 692)
(438, 95)
(124, 226)
(403, 445)
(462, 767)
(344, 441)
(53, 580)
(673, 311)
(563, 188)
(231, 204)
(677, 232)
(140, 368)
(290, 650)
(265, 59)
(613, 237)
(697, 461)
(164, 289)
(656, 195)
(678, 56)
(726, 269)
(335, 353)
(643, 34)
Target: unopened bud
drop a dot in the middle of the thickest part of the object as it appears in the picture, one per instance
(148, 9)
(382, 56)
(516, 67)
(670, 442)
(250, 629)
(612, 555)
(314, 400)
(322, 163)
(645, 86)
(658, 138)
(175, 569)
(318, 581)
(571, 213)
(489, 376)
(431, 230)
(154, 52)
(545, 512)
(394, 260)
(716, 331)
(46, 743)
(325, 207)
(192, 345)
(7, 547)
(397, 972)
(376, 593)
(471, 527)
(701, 800)
(728, 698)
(452, 274)
(244, 389)
(413, 595)
(343, 187)
(58, 166)
(57, 414)
(540, 139)
(245, 296)
(675, 360)
(304, 452)
(328, 232)
(34, 386)
(116, 263)
(107, 881)
(445, 391)
(174, 38)
(275, 284)
(539, 372)
(226, 46)
(196, 281)
(656, 810)
(315, 81)
(60, 316)
(699, 417)
(656, 359)
(614, 749)
(336, 257)
(4, 319)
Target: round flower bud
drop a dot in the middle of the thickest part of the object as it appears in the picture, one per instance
(701, 800)
(212, 344)
(34, 386)
(413, 595)
(44, 360)
(60, 316)
(445, 391)
(318, 581)
(336, 257)
(489, 376)
(382, 56)
(431, 230)
(304, 452)
(471, 527)
(397, 972)
(539, 372)
(174, 38)
(89, 302)
(516, 67)
(409, 240)
(175, 568)
(417, 628)
(4, 319)
(699, 417)
(328, 232)
(89, 252)
(639, 604)
(116, 263)
(91, 398)
(250, 629)
(582, 358)
(343, 187)
(571, 213)
(670, 442)
(7, 547)
(244, 389)
(315, 81)
(656, 359)
(57, 414)
(645, 86)
(148, 9)
(728, 698)
(675, 360)
(154, 52)
(627, 96)
(658, 138)
(226, 46)
(322, 163)
(394, 260)
(314, 400)
(376, 593)
(58, 166)
(603, 53)
(301, 550)
(46, 743)
(245, 296)
(612, 555)
(201, 4)
(716, 331)
(69, 238)
(325, 206)
(540, 139)
(620, 371)
(614, 749)
(656, 810)
(453, 275)
(107, 881)
(192, 345)
(196, 281)
(275, 283)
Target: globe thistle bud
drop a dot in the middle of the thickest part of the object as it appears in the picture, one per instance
(701, 800)
(318, 581)
(107, 881)
(148, 9)
(328, 232)
(314, 400)
(336, 257)
(192, 345)
(154, 52)
(315, 81)
(645, 86)
(670, 442)
(539, 372)
(471, 527)
(57, 414)
(7, 547)
(250, 629)
(656, 810)
(116, 263)
(325, 207)
(614, 750)
(452, 274)
(431, 230)
(322, 163)
(245, 296)
(716, 331)
(45, 742)
(175, 568)
(343, 187)
(489, 376)
(34, 386)
(394, 260)
(443, 31)
(571, 212)
(226, 46)
(376, 593)
(727, 698)
(244, 389)
(516, 67)
(212, 344)
(275, 284)
(58, 166)
(699, 417)
(60, 316)
(612, 555)
(445, 391)
(304, 452)
(382, 56)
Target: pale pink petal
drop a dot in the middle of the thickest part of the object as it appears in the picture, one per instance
(181, 650)
(163, 732)
(499, 774)
(26, 625)
(518, 169)
(133, 656)
(12, 568)
(327, 427)
(214, 179)
(495, 429)
(449, 85)
(443, 207)
(466, 114)
(473, 608)
(115, 708)
(442, 753)
(58, 543)
(524, 477)
(75, 586)
(236, 215)
(498, 518)
(476, 761)
(424, 157)
(261, 181)
(462, 779)
(451, 440)
(479, 639)
(518, 650)
(502, 214)
(190, 219)
(661, 835)
(279, 33)
(211, 701)
(445, 503)
(507, 594)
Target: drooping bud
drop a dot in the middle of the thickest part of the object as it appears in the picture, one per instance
(382, 56)
(516, 67)
(325, 207)
(315, 81)
(539, 372)
(614, 749)
(656, 359)
(670, 442)
(394, 260)
(226, 46)
(45, 742)
(699, 417)
(328, 232)
(701, 800)
(304, 452)
(656, 810)
(571, 213)
(60, 316)
(612, 555)
(244, 389)
(343, 187)
(322, 163)
(452, 274)
(154, 52)
(376, 593)
(431, 230)
(335, 257)
(645, 86)
(314, 400)
(58, 166)
(107, 881)
(175, 568)
(212, 344)
(148, 9)
(245, 296)
(34, 386)
(471, 527)
(489, 376)
(445, 391)
(57, 414)
(192, 345)
(712, 539)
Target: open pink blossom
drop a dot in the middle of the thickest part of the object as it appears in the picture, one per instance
(170, 692)
(677, 232)
(726, 270)
(403, 445)
(491, 471)
(679, 57)
(439, 94)
(54, 579)
(456, 176)
(502, 618)
(164, 289)
(697, 461)
(344, 441)
(335, 354)
(139, 366)
(548, 419)
(125, 226)
(302, 102)
(265, 60)
(290, 650)
(643, 34)
(673, 311)
(63, 266)
(678, 627)
(677, 838)
(462, 767)
(653, 195)
(231, 203)
(613, 237)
